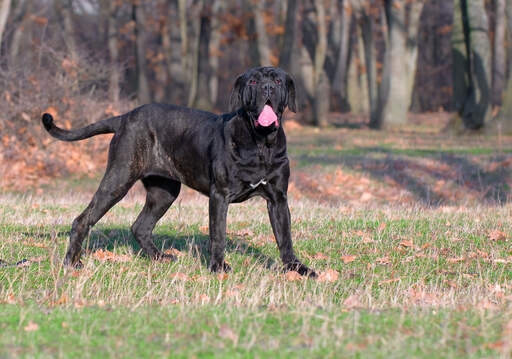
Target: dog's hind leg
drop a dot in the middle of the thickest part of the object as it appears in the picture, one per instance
(114, 186)
(161, 193)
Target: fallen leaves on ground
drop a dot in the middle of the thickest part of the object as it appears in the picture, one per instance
(497, 236)
(104, 255)
(292, 276)
(407, 243)
(329, 275)
(348, 258)
(174, 252)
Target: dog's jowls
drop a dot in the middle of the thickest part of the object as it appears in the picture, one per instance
(229, 158)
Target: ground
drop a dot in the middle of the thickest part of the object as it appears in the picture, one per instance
(410, 230)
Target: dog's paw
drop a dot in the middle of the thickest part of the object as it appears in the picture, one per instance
(300, 268)
(218, 267)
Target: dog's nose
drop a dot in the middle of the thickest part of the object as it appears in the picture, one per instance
(268, 88)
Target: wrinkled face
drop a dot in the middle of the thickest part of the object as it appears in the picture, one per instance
(264, 93)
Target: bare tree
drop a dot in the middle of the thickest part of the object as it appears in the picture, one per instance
(499, 54)
(200, 98)
(471, 64)
(318, 89)
(259, 47)
(288, 40)
(506, 114)
(367, 51)
(399, 70)
(5, 7)
(139, 17)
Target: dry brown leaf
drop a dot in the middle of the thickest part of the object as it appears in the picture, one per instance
(497, 236)
(407, 243)
(382, 226)
(204, 229)
(348, 258)
(292, 275)
(329, 275)
(174, 252)
(222, 276)
(31, 327)
(320, 256)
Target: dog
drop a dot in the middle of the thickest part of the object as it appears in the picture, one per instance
(229, 158)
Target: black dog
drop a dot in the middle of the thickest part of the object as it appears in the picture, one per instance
(229, 158)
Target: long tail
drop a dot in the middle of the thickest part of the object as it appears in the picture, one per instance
(109, 125)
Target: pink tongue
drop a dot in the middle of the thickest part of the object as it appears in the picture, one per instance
(267, 117)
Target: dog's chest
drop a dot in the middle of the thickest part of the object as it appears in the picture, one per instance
(253, 163)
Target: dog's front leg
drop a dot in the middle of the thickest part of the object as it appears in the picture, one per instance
(218, 212)
(279, 214)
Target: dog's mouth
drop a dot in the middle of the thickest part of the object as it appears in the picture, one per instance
(267, 116)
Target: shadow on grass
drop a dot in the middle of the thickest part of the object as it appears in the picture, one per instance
(489, 186)
(197, 244)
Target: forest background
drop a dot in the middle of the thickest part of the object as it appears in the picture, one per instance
(369, 63)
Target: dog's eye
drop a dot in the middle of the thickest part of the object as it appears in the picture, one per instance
(252, 82)
(278, 82)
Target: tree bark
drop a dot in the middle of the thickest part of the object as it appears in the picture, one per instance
(214, 50)
(339, 83)
(201, 100)
(21, 21)
(285, 56)
(471, 52)
(139, 17)
(369, 70)
(499, 58)
(506, 114)
(113, 50)
(320, 82)
(5, 7)
(400, 62)
(259, 48)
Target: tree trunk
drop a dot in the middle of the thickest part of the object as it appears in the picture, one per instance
(320, 82)
(113, 50)
(259, 48)
(182, 8)
(506, 114)
(499, 58)
(471, 52)
(139, 17)
(400, 62)
(201, 100)
(214, 50)
(285, 56)
(369, 70)
(339, 83)
(5, 7)
(21, 21)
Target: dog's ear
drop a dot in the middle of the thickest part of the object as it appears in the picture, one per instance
(235, 99)
(290, 85)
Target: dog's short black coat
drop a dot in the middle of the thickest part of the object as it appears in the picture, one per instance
(228, 158)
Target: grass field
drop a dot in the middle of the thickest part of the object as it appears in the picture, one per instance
(411, 232)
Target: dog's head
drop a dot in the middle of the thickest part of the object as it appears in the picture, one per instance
(264, 93)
